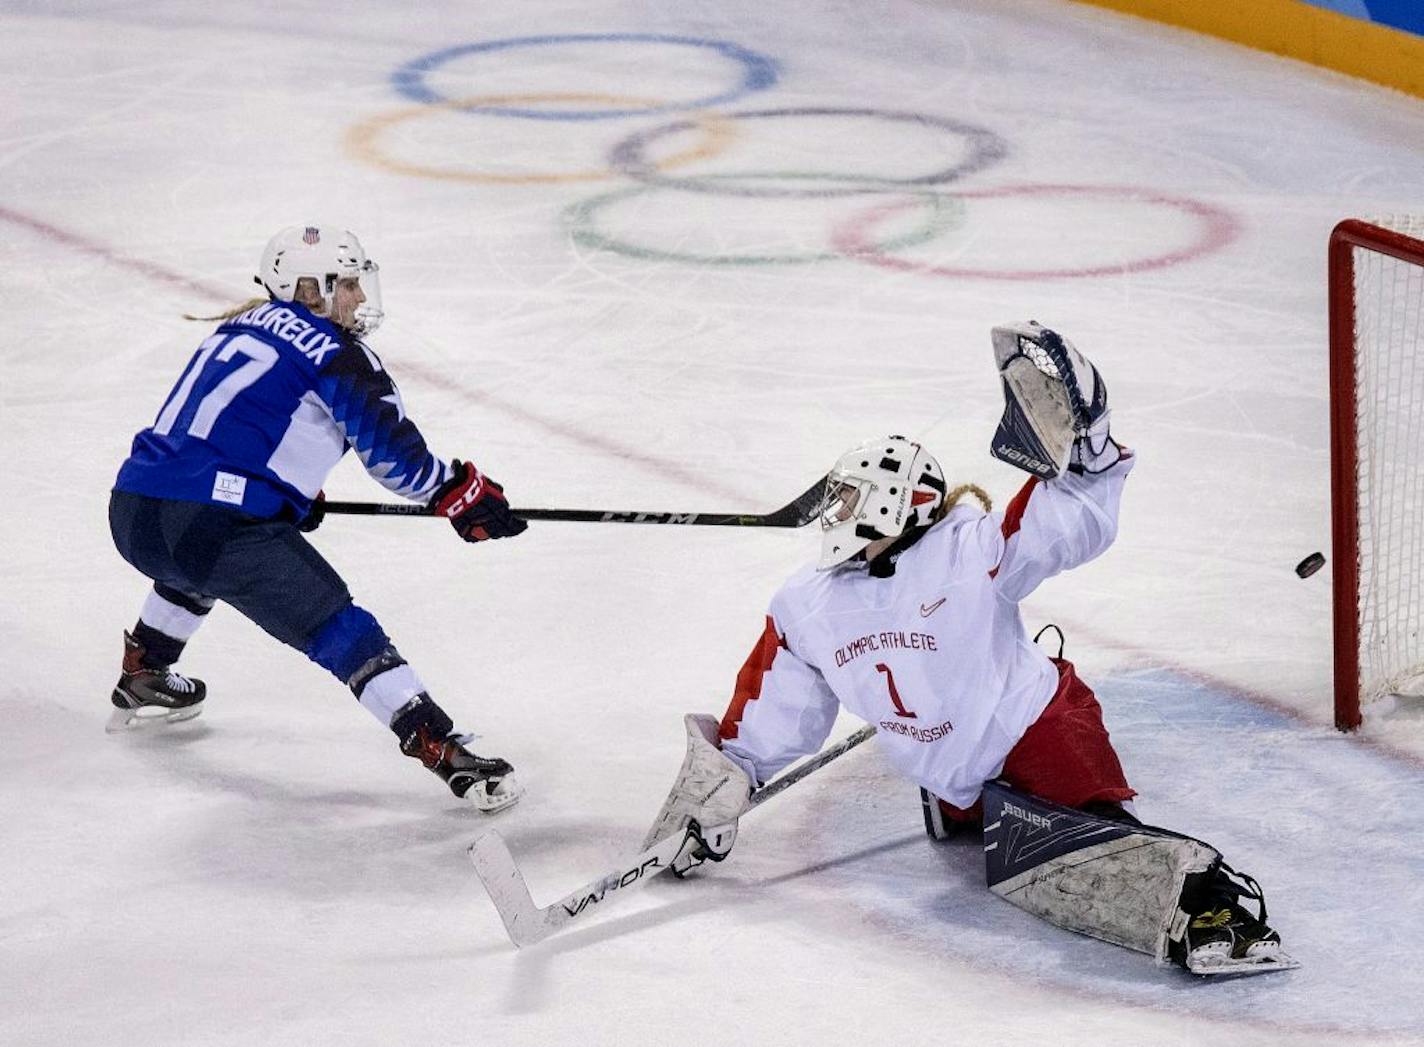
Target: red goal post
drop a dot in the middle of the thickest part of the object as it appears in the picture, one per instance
(1376, 276)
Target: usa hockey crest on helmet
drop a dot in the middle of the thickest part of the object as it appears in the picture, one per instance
(880, 489)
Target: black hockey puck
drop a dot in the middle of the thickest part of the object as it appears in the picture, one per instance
(1311, 564)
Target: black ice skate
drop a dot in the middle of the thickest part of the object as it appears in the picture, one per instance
(1224, 938)
(486, 781)
(146, 696)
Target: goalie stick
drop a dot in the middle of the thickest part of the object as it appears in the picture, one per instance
(528, 923)
(800, 511)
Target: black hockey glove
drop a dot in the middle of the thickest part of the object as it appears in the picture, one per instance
(315, 515)
(475, 506)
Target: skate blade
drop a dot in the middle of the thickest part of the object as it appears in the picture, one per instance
(149, 717)
(1212, 966)
(506, 793)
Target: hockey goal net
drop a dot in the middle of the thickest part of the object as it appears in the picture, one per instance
(1377, 460)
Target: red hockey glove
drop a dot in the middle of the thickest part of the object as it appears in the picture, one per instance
(475, 505)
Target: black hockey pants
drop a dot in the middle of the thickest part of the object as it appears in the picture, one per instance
(264, 568)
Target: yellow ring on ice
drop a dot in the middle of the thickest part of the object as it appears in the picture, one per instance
(363, 139)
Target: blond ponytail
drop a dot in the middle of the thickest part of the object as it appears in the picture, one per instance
(237, 310)
(952, 499)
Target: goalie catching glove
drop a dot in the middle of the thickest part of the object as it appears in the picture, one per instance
(475, 505)
(1055, 404)
(711, 792)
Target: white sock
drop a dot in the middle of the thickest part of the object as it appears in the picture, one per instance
(384, 695)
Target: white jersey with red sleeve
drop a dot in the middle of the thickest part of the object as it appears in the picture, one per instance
(936, 655)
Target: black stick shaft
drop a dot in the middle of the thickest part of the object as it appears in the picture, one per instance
(799, 512)
(567, 515)
(815, 763)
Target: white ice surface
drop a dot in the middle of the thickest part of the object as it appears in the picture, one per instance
(277, 874)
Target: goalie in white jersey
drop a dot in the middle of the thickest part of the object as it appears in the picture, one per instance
(910, 620)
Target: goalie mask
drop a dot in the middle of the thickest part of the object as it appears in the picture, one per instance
(880, 489)
(331, 258)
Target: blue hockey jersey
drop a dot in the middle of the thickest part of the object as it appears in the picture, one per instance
(266, 408)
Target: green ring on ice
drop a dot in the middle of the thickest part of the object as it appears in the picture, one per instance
(945, 212)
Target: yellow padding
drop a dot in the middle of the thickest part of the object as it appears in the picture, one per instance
(1297, 30)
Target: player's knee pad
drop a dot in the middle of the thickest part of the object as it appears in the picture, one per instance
(346, 641)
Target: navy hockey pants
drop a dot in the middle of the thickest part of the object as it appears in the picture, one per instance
(264, 568)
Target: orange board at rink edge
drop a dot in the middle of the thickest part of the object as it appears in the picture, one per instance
(1377, 53)
(364, 138)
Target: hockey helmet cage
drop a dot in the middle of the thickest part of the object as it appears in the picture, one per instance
(880, 489)
(325, 254)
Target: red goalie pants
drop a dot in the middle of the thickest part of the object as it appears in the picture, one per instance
(1065, 756)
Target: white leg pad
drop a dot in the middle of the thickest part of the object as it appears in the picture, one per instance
(1111, 880)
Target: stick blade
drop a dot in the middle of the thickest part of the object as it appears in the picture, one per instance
(494, 865)
(806, 507)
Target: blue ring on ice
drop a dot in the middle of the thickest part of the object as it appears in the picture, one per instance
(758, 73)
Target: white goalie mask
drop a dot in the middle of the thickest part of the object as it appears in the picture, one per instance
(880, 489)
(325, 255)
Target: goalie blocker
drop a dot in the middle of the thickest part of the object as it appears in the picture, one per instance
(710, 794)
(1138, 886)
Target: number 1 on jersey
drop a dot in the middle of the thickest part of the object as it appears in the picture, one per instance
(900, 709)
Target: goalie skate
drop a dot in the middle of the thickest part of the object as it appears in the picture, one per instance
(1224, 937)
(1229, 940)
(1216, 963)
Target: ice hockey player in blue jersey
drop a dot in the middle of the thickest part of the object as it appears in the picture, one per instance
(213, 501)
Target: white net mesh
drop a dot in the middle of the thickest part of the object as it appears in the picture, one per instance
(1389, 370)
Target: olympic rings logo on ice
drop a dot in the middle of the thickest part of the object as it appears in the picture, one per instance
(903, 212)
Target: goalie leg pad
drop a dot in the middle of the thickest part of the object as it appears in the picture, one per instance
(1113, 880)
(710, 789)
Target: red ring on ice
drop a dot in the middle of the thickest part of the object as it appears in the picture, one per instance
(1217, 228)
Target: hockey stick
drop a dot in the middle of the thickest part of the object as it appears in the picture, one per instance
(528, 923)
(797, 513)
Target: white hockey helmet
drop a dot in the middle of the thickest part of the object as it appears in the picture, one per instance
(324, 254)
(880, 489)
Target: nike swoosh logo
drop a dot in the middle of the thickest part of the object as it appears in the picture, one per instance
(928, 609)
